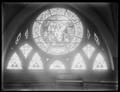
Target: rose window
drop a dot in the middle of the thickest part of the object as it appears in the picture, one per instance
(57, 31)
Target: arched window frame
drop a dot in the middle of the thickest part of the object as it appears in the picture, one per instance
(29, 33)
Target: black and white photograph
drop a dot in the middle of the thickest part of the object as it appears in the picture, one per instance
(51, 46)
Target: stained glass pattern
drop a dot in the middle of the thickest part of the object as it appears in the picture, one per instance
(78, 63)
(25, 49)
(99, 63)
(88, 50)
(96, 39)
(57, 64)
(36, 62)
(14, 62)
(57, 31)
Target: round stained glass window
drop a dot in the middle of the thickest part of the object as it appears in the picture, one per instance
(57, 31)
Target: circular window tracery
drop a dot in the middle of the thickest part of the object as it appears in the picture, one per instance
(57, 31)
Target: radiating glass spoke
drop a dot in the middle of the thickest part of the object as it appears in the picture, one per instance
(78, 63)
(14, 62)
(99, 63)
(36, 62)
(25, 49)
(88, 50)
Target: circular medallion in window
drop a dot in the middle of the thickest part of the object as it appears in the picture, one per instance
(57, 31)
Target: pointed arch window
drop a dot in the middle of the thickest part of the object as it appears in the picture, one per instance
(57, 32)
(36, 62)
(78, 63)
(14, 62)
(99, 63)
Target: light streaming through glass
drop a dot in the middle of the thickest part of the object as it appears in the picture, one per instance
(78, 63)
(57, 64)
(88, 50)
(36, 62)
(14, 62)
(57, 31)
(99, 63)
(25, 49)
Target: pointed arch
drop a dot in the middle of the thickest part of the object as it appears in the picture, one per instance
(14, 62)
(78, 62)
(36, 62)
(99, 63)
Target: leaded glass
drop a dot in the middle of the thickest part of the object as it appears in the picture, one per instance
(57, 32)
